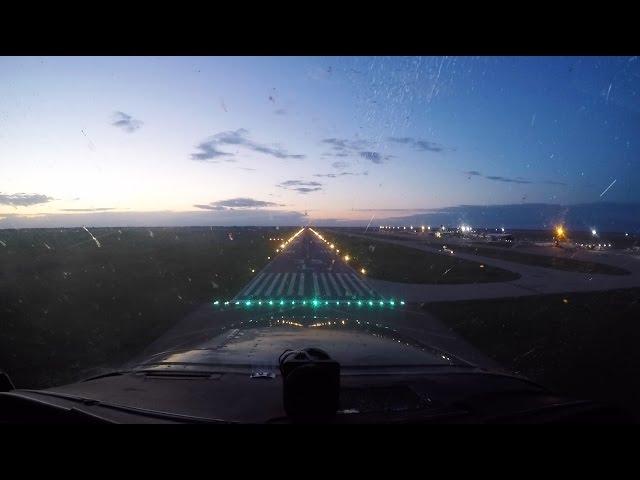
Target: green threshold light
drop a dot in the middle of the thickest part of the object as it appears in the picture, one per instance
(315, 302)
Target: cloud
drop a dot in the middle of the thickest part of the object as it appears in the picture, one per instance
(301, 186)
(126, 122)
(209, 207)
(293, 183)
(507, 179)
(305, 190)
(518, 180)
(343, 144)
(344, 147)
(375, 157)
(209, 149)
(23, 199)
(280, 111)
(340, 165)
(341, 174)
(240, 202)
(418, 144)
(100, 209)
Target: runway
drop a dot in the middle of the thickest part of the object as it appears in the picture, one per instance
(307, 269)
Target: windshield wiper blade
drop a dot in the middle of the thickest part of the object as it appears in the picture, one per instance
(105, 375)
(133, 410)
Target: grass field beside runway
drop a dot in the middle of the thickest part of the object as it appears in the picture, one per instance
(580, 344)
(396, 263)
(68, 305)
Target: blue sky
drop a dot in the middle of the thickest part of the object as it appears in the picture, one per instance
(259, 140)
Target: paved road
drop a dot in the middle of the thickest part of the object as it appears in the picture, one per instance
(533, 281)
(307, 269)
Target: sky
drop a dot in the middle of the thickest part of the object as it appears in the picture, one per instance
(341, 140)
